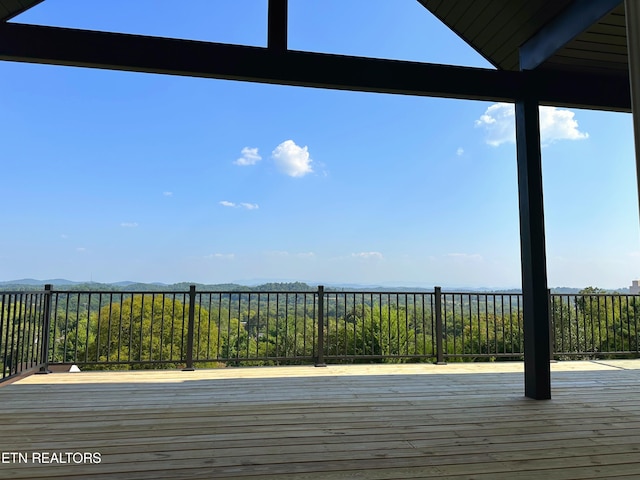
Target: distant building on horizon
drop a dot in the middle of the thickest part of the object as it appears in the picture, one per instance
(634, 289)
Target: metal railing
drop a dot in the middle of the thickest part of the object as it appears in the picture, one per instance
(182, 329)
(24, 326)
(366, 326)
(482, 325)
(595, 325)
(173, 329)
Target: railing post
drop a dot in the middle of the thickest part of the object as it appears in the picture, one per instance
(439, 329)
(191, 329)
(46, 330)
(552, 332)
(320, 322)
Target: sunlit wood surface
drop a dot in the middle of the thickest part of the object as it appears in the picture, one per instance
(457, 421)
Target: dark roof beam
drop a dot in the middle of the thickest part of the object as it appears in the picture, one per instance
(574, 20)
(117, 51)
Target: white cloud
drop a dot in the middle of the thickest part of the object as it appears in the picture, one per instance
(64, 235)
(81, 249)
(167, 194)
(368, 255)
(129, 224)
(555, 124)
(221, 256)
(248, 206)
(250, 156)
(292, 159)
(460, 151)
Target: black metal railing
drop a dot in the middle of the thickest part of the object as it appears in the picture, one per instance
(366, 326)
(482, 325)
(164, 329)
(591, 325)
(24, 327)
(184, 329)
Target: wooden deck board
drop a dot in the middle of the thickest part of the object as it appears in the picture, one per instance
(341, 422)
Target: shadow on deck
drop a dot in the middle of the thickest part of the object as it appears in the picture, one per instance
(458, 421)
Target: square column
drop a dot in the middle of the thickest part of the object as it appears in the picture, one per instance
(537, 370)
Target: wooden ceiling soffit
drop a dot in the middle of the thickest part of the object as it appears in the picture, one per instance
(562, 29)
(547, 31)
(602, 47)
(12, 8)
(116, 51)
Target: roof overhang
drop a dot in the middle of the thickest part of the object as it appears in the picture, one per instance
(575, 35)
(12, 8)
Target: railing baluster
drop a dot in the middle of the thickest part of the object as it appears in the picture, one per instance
(190, 328)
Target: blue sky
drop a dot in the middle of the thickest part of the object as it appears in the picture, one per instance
(122, 176)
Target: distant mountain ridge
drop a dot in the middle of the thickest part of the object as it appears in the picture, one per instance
(32, 281)
(63, 284)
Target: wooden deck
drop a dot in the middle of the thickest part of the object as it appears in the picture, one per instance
(459, 421)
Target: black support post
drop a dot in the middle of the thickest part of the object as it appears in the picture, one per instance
(277, 25)
(320, 321)
(552, 332)
(439, 327)
(537, 373)
(45, 336)
(632, 18)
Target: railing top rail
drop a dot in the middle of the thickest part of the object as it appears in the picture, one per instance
(612, 294)
(227, 292)
(327, 291)
(171, 292)
(491, 294)
(255, 292)
(120, 292)
(23, 292)
(376, 292)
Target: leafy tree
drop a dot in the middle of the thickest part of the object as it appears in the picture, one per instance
(378, 331)
(149, 328)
